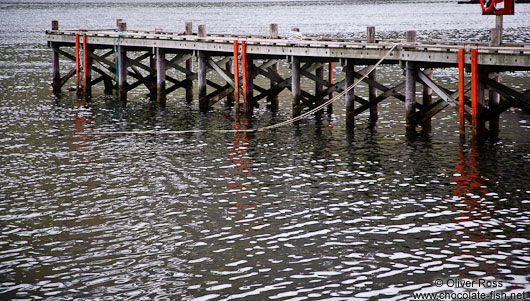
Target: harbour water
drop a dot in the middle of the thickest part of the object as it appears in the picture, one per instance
(303, 212)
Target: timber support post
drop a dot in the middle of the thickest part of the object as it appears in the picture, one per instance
(427, 101)
(203, 62)
(319, 73)
(410, 89)
(160, 76)
(350, 95)
(56, 75)
(122, 66)
(372, 94)
(461, 92)
(295, 86)
(494, 101)
(189, 66)
(274, 99)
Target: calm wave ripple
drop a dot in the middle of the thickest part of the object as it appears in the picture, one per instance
(304, 212)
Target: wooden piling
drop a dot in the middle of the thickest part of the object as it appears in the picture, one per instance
(122, 67)
(189, 66)
(350, 95)
(372, 92)
(236, 74)
(330, 79)
(427, 101)
(474, 90)
(494, 101)
(295, 85)
(461, 85)
(56, 75)
(274, 99)
(410, 88)
(202, 62)
(319, 73)
(229, 101)
(160, 76)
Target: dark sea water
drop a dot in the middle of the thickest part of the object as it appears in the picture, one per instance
(303, 212)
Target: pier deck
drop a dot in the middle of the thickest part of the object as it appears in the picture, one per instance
(125, 59)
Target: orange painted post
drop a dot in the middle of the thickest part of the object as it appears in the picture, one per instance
(77, 60)
(244, 67)
(330, 106)
(461, 57)
(474, 89)
(85, 61)
(236, 72)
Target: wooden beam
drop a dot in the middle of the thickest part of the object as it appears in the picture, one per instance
(390, 92)
(221, 72)
(427, 81)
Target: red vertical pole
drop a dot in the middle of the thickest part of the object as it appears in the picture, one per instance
(244, 66)
(236, 71)
(461, 57)
(77, 60)
(85, 60)
(474, 89)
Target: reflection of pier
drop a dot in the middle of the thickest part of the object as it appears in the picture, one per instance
(126, 59)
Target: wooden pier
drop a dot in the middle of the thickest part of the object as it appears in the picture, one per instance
(125, 59)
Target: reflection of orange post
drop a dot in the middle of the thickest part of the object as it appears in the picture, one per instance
(461, 56)
(77, 60)
(85, 60)
(330, 106)
(474, 89)
(236, 72)
(244, 67)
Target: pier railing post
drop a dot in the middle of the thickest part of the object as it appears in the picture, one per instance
(274, 99)
(56, 75)
(372, 94)
(350, 95)
(160, 76)
(202, 62)
(410, 88)
(295, 85)
(189, 66)
(122, 67)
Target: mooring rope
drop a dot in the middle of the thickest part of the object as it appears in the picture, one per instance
(277, 125)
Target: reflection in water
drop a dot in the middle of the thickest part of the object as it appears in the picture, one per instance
(240, 185)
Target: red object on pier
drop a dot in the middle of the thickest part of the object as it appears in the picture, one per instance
(461, 57)
(498, 7)
(236, 71)
(77, 60)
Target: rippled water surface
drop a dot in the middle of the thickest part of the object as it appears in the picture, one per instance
(300, 212)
